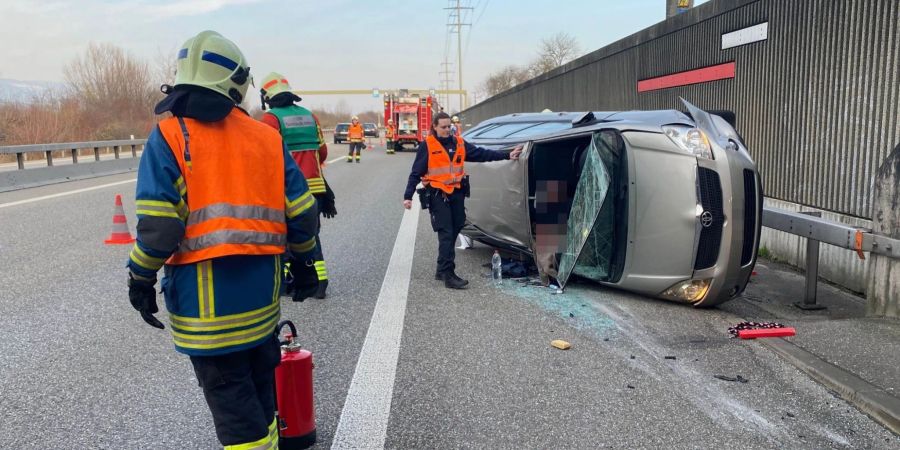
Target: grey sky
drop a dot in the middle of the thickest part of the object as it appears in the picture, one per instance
(317, 45)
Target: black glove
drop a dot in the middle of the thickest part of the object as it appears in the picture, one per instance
(326, 203)
(143, 298)
(304, 281)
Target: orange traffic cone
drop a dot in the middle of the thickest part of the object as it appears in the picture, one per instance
(120, 233)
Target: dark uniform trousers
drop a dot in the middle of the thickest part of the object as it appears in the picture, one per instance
(240, 390)
(448, 215)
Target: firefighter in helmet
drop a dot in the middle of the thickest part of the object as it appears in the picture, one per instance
(389, 136)
(220, 229)
(356, 136)
(303, 138)
(455, 126)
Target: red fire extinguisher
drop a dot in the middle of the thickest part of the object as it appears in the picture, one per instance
(294, 393)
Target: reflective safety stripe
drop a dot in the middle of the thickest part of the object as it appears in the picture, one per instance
(300, 205)
(195, 325)
(156, 208)
(321, 271)
(180, 186)
(213, 341)
(316, 185)
(182, 209)
(267, 443)
(205, 292)
(217, 210)
(304, 247)
(144, 260)
(273, 433)
(232, 237)
(279, 274)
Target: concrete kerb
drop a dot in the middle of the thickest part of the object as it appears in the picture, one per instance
(877, 403)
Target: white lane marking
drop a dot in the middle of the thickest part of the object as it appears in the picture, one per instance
(364, 419)
(335, 160)
(63, 194)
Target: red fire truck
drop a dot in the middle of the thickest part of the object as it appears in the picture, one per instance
(412, 117)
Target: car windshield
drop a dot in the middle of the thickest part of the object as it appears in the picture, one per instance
(342, 127)
(369, 126)
(595, 245)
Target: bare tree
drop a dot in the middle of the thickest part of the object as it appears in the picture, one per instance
(555, 51)
(504, 79)
(114, 89)
(165, 64)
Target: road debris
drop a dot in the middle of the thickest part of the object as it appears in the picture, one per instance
(670, 357)
(752, 330)
(561, 344)
(738, 378)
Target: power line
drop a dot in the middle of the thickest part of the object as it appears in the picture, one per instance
(459, 24)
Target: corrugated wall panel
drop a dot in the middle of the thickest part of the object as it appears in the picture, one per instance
(817, 102)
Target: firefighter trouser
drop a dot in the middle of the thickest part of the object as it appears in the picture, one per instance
(240, 390)
(319, 257)
(389, 146)
(358, 148)
(448, 215)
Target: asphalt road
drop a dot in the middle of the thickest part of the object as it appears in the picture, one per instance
(475, 369)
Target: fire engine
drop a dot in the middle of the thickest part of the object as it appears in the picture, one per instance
(412, 117)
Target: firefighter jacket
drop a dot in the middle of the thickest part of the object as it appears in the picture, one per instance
(389, 132)
(217, 204)
(303, 137)
(355, 133)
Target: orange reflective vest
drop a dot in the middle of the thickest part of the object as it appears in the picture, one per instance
(233, 174)
(443, 173)
(355, 133)
(389, 132)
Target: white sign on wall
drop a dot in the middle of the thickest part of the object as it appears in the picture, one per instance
(747, 35)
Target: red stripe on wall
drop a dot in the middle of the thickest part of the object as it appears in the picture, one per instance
(711, 73)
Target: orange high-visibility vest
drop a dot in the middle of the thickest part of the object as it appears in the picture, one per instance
(355, 133)
(389, 132)
(442, 173)
(233, 173)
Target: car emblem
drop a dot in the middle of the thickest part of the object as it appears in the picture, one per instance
(706, 219)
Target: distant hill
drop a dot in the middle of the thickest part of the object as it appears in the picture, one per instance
(24, 91)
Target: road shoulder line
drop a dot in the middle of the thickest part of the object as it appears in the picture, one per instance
(364, 418)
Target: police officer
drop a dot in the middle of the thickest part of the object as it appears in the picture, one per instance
(439, 165)
(218, 201)
(303, 137)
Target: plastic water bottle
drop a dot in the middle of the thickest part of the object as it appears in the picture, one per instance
(497, 268)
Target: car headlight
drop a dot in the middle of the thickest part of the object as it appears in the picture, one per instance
(691, 140)
(689, 291)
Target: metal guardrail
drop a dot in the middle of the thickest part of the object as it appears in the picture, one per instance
(73, 147)
(816, 229)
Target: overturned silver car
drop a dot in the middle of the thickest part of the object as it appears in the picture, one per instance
(663, 203)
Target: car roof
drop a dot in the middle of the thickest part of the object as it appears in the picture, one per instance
(589, 121)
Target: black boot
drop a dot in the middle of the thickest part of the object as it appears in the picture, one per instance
(320, 292)
(452, 281)
(439, 276)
